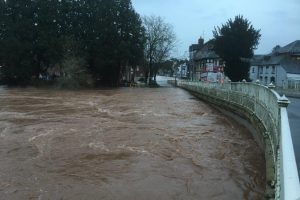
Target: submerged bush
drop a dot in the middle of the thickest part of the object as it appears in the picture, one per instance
(74, 74)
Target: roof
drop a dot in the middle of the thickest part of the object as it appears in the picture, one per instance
(288, 63)
(195, 47)
(293, 76)
(266, 60)
(255, 60)
(291, 48)
(291, 66)
(202, 54)
(206, 51)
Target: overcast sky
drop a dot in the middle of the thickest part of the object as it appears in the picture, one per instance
(278, 20)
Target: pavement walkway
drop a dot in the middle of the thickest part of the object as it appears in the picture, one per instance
(294, 119)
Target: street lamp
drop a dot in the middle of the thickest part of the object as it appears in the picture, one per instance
(175, 76)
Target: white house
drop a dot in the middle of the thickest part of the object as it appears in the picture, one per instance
(279, 67)
(182, 71)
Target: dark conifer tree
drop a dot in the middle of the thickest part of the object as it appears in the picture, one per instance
(234, 41)
(33, 34)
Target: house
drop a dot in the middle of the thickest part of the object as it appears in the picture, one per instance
(193, 49)
(278, 67)
(208, 66)
(182, 71)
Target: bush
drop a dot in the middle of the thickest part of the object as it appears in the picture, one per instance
(75, 75)
(153, 84)
(142, 79)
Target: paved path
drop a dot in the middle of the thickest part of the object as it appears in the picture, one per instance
(294, 118)
(162, 81)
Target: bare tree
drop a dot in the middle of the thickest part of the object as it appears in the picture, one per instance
(160, 41)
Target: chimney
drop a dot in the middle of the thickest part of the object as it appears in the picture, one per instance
(201, 41)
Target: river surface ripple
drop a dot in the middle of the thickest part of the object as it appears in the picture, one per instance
(123, 144)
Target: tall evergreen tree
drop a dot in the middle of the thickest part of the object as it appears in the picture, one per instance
(233, 41)
(17, 55)
(33, 33)
(3, 30)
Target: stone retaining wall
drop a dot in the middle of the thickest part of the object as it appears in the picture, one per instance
(263, 108)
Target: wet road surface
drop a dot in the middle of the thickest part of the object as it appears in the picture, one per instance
(294, 119)
(128, 143)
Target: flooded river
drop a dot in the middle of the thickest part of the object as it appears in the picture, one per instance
(123, 144)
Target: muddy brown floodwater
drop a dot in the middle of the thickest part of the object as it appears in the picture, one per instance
(123, 144)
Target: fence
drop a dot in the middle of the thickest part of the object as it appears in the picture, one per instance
(294, 85)
(266, 110)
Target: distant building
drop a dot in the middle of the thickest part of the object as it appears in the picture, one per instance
(278, 67)
(207, 65)
(182, 71)
(193, 49)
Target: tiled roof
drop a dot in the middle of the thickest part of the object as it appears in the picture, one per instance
(256, 60)
(206, 51)
(291, 48)
(206, 54)
(289, 64)
(195, 47)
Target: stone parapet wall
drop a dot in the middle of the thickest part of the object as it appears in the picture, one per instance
(262, 108)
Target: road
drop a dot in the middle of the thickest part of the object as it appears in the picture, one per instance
(162, 80)
(294, 118)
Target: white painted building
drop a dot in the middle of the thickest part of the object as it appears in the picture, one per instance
(182, 71)
(279, 67)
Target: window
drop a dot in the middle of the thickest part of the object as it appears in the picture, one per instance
(273, 69)
(273, 79)
(266, 80)
(267, 69)
(253, 70)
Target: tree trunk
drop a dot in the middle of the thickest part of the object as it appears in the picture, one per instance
(133, 75)
(146, 76)
(151, 75)
(118, 74)
(150, 71)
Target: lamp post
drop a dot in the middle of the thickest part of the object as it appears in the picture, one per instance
(175, 76)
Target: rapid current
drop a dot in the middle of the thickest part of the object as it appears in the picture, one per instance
(123, 144)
